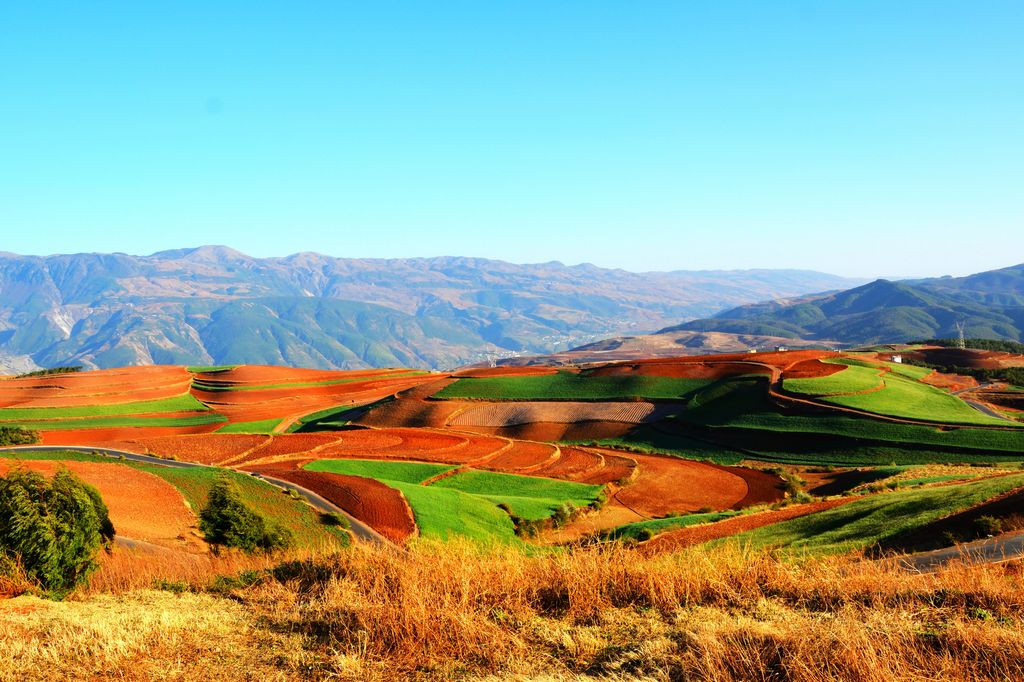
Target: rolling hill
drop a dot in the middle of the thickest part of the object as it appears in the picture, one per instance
(214, 305)
(990, 304)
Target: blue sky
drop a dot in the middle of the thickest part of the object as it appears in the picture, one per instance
(867, 138)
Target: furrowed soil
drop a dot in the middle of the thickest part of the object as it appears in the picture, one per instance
(381, 507)
(515, 414)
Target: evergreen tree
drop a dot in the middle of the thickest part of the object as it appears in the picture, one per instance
(52, 528)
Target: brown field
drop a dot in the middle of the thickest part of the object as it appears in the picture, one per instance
(411, 407)
(571, 464)
(809, 369)
(96, 436)
(516, 413)
(553, 431)
(667, 485)
(523, 457)
(950, 382)
(382, 508)
(142, 506)
(209, 448)
(676, 368)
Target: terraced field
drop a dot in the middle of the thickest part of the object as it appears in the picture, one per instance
(570, 386)
(877, 518)
(399, 447)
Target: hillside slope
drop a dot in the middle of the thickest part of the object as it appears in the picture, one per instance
(990, 305)
(216, 305)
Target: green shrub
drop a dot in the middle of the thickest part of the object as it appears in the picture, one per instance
(52, 528)
(227, 521)
(335, 519)
(15, 435)
(988, 525)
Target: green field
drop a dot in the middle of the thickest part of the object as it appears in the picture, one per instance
(195, 483)
(529, 497)
(209, 369)
(570, 386)
(466, 503)
(736, 412)
(732, 419)
(295, 515)
(330, 419)
(637, 531)
(899, 393)
(382, 470)
(874, 519)
(261, 426)
(179, 403)
(443, 513)
(903, 397)
(850, 379)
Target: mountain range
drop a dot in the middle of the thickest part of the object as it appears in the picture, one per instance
(215, 305)
(987, 305)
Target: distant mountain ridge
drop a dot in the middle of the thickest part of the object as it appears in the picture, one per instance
(989, 305)
(213, 304)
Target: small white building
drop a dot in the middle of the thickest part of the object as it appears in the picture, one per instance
(897, 358)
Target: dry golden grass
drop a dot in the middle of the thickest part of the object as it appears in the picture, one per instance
(458, 612)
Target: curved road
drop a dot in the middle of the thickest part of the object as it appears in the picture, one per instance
(981, 407)
(359, 529)
(991, 551)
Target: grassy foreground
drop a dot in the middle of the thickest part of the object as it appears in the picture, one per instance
(454, 612)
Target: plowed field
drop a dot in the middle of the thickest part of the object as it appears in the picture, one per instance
(382, 508)
(512, 414)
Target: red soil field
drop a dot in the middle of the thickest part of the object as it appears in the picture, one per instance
(695, 535)
(665, 485)
(616, 468)
(209, 448)
(809, 369)
(573, 462)
(523, 456)
(282, 447)
(528, 371)
(412, 408)
(382, 508)
(553, 431)
(142, 506)
(97, 436)
(950, 382)
(274, 374)
(101, 387)
(762, 487)
(675, 369)
(255, 396)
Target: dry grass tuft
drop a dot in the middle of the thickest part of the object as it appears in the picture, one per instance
(456, 611)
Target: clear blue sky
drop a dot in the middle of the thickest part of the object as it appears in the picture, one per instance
(862, 138)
